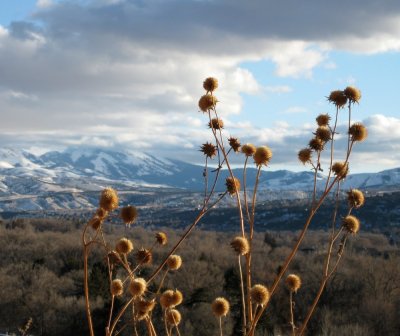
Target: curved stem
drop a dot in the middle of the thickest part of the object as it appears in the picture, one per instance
(292, 314)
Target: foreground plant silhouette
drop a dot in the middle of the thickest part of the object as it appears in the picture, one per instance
(124, 266)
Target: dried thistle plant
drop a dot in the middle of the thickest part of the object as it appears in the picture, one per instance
(136, 292)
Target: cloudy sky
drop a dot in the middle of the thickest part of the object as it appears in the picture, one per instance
(128, 73)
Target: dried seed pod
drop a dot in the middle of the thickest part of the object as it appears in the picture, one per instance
(220, 307)
(240, 245)
(323, 119)
(173, 317)
(249, 149)
(353, 94)
(262, 156)
(209, 150)
(338, 98)
(138, 287)
(293, 282)
(216, 124)
(207, 102)
(304, 155)
(358, 132)
(129, 214)
(161, 238)
(351, 224)
(234, 143)
(124, 246)
(356, 198)
(144, 256)
(259, 294)
(174, 262)
(232, 185)
(108, 199)
(210, 84)
(117, 287)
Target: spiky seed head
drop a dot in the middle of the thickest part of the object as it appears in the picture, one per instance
(207, 102)
(293, 282)
(95, 222)
(161, 238)
(117, 287)
(259, 294)
(356, 198)
(144, 256)
(210, 84)
(338, 98)
(209, 150)
(114, 258)
(232, 185)
(101, 213)
(129, 214)
(351, 224)
(220, 307)
(216, 123)
(323, 133)
(262, 156)
(353, 94)
(323, 119)
(174, 262)
(249, 149)
(124, 246)
(137, 287)
(240, 245)
(173, 317)
(234, 143)
(340, 169)
(171, 298)
(108, 199)
(316, 144)
(144, 306)
(304, 155)
(358, 132)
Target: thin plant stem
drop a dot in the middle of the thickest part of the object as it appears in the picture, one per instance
(86, 281)
(111, 311)
(220, 326)
(246, 204)
(333, 132)
(291, 303)
(320, 291)
(119, 315)
(243, 295)
(205, 179)
(316, 168)
(162, 281)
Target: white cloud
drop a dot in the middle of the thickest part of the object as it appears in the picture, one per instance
(44, 3)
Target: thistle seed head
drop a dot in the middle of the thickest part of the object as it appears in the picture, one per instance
(144, 257)
(210, 84)
(234, 143)
(323, 133)
(209, 150)
(124, 246)
(358, 132)
(174, 262)
(117, 287)
(173, 317)
(240, 245)
(137, 287)
(207, 102)
(338, 98)
(108, 199)
(351, 224)
(323, 119)
(232, 185)
(356, 198)
(353, 94)
(259, 294)
(340, 169)
(262, 156)
(171, 298)
(220, 307)
(304, 155)
(216, 124)
(161, 238)
(293, 282)
(129, 214)
(316, 144)
(249, 149)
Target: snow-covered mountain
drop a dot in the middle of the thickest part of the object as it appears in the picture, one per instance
(72, 178)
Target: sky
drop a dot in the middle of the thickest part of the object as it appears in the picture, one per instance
(127, 74)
